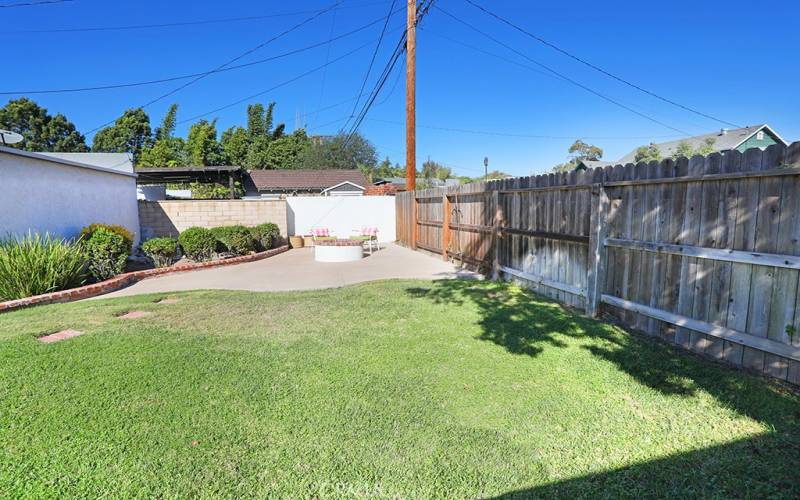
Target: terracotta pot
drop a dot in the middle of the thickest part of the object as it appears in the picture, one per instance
(296, 241)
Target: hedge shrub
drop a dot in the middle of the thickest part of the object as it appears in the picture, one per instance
(234, 239)
(163, 251)
(106, 252)
(198, 243)
(87, 231)
(36, 264)
(265, 235)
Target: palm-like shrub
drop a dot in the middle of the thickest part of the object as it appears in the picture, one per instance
(163, 251)
(198, 243)
(36, 264)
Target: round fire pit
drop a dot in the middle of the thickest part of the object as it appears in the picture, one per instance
(338, 250)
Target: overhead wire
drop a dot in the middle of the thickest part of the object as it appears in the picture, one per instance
(371, 62)
(177, 24)
(423, 9)
(32, 4)
(561, 75)
(595, 67)
(231, 61)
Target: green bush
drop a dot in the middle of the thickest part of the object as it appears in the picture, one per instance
(265, 235)
(163, 251)
(198, 243)
(36, 264)
(86, 233)
(106, 252)
(234, 239)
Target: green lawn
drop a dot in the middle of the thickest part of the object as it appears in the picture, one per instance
(401, 388)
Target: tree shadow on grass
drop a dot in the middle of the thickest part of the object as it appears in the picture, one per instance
(526, 324)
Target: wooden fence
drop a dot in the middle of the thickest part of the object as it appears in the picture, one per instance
(703, 252)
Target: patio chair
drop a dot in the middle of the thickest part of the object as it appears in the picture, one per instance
(322, 233)
(369, 236)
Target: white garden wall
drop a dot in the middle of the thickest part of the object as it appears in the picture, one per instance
(342, 214)
(42, 194)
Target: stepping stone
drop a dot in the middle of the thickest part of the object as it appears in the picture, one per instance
(134, 314)
(168, 301)
(62, 335)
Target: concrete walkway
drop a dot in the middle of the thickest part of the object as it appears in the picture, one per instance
(297, 270)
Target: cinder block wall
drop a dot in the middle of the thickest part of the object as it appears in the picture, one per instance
(170, 217)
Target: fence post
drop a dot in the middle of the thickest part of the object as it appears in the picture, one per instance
(414, 222)
(445, 225)
(498, 218)
(597, 249)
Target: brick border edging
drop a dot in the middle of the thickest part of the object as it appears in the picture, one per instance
(126, 279)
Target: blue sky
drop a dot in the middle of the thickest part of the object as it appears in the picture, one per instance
(727, 59)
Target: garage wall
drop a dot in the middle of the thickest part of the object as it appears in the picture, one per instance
(41, 195)
(342, 214)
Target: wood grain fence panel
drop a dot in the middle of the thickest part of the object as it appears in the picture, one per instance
(702, 252)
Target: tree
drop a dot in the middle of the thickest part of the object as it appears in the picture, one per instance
(579, 151)
(202, 146)
(434, 170)
(130, 134)
(647, 153)
(255, 120)
(338, 152)
(683, 149)
(167, 151)
(40, 130)
(167, 127)
(235, 143)
(283, 151)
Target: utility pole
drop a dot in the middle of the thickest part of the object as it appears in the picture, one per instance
(485, 168)
(411, 99)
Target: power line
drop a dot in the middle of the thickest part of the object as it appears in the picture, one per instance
(398, 51)
(522, 136)
(562, 76)
(325, 71)
(282, 84)
(597, 68)
(371, 63)
(177, 24)
(32, 4)
(191, 75)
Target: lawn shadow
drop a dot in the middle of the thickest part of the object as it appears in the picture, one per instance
(525, 324)
(759, 467)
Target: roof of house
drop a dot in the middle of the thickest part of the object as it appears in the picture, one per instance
(59, 159)
(114, 161)
(594, 163)
(310, 180)
(724, 140)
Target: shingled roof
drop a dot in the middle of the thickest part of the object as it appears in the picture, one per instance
(724, 140)
(305, 180)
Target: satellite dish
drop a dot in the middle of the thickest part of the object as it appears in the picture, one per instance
(9, 137)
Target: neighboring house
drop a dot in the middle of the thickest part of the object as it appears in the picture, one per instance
(55, 193)
(740, 139)
(283, 183)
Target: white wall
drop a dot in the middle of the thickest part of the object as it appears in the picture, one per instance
(342, 214)
(46, 196)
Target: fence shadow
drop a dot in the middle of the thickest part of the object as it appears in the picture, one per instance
(525, 324)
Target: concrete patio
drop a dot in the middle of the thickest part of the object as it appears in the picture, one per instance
(297, 270)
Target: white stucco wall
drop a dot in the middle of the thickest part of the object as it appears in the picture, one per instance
(40, 195)
(342, 214)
